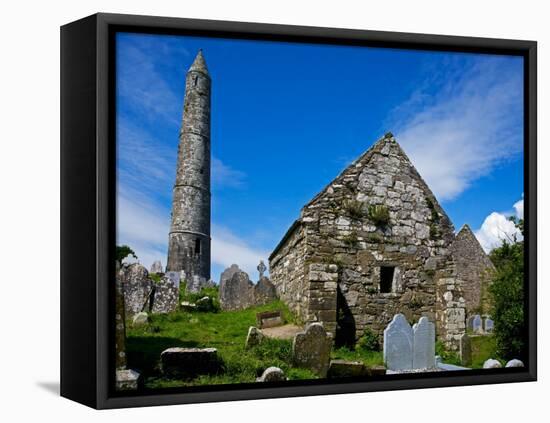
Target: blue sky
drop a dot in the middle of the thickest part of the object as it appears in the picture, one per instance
(287, 118)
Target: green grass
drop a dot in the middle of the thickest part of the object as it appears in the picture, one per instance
(483, 348)
(368, 358)
(225, 331)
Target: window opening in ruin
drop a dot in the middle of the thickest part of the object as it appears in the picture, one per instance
(386, 278)
(197, 246)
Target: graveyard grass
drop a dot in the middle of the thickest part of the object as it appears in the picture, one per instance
(226, 331)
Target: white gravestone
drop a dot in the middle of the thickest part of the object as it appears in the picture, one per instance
(423, 344)
(398, 344)
(488, 325)
(477, 326)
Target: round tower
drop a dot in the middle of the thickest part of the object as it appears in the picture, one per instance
(189, 238)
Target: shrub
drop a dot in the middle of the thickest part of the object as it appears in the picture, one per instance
(351, 240)
(379, 214)
(507, 298)
(354, 209)
(369, 341)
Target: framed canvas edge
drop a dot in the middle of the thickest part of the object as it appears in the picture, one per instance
(105, 189)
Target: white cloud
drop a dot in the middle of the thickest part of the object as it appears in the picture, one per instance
(225, 176)
(468, 128)
(497, 228)
(227, 249)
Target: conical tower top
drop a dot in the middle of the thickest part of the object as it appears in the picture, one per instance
(199, 64)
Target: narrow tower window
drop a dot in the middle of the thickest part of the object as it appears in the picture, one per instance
(197, 246)
(195, 80)
(386, 278)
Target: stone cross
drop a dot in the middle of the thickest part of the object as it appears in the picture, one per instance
(261, 268)
(398, 344)
(423, 344)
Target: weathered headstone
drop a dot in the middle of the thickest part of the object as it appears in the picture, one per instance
(254, 337)
(515, 363)
(165, 296)
(189, 362)
(492, 364)
(465, 350)
(137, 288)
(236, 293)
(228, 273)
(272, 374)
(269, 319)
(311, 349)
(398, 344)
(264, 291)
(477, 324)
(423, 344)
(344, 368)
(156, 267)
(140, 318)
(488, 324)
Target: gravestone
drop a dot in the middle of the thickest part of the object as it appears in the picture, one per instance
(237, 292)
(264, 291)
(398, 344)
(344, 368)
(311, 349)
(186, 363)
(165, 296)
(488, 325)
(269, 319)
(423, 344)
(492, 364)
(515, 363)
(477, 324)
(254, 337)
(465, 350)
(137, 288)
(228, 273)
(272, 374)
(156, 267)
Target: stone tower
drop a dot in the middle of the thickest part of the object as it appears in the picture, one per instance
(189, 238)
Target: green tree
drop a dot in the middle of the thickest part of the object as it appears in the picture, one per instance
(507, 297)
(123, 251)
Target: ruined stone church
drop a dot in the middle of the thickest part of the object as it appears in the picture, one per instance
(376, 242)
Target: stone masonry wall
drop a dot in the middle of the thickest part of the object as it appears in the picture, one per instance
(474, 268)
(288, 273)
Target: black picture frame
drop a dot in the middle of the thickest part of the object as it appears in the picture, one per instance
(88, 201)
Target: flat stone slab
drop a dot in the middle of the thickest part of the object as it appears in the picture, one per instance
(344, 368)
(282, 332)
(269, 319)
(187, 363)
